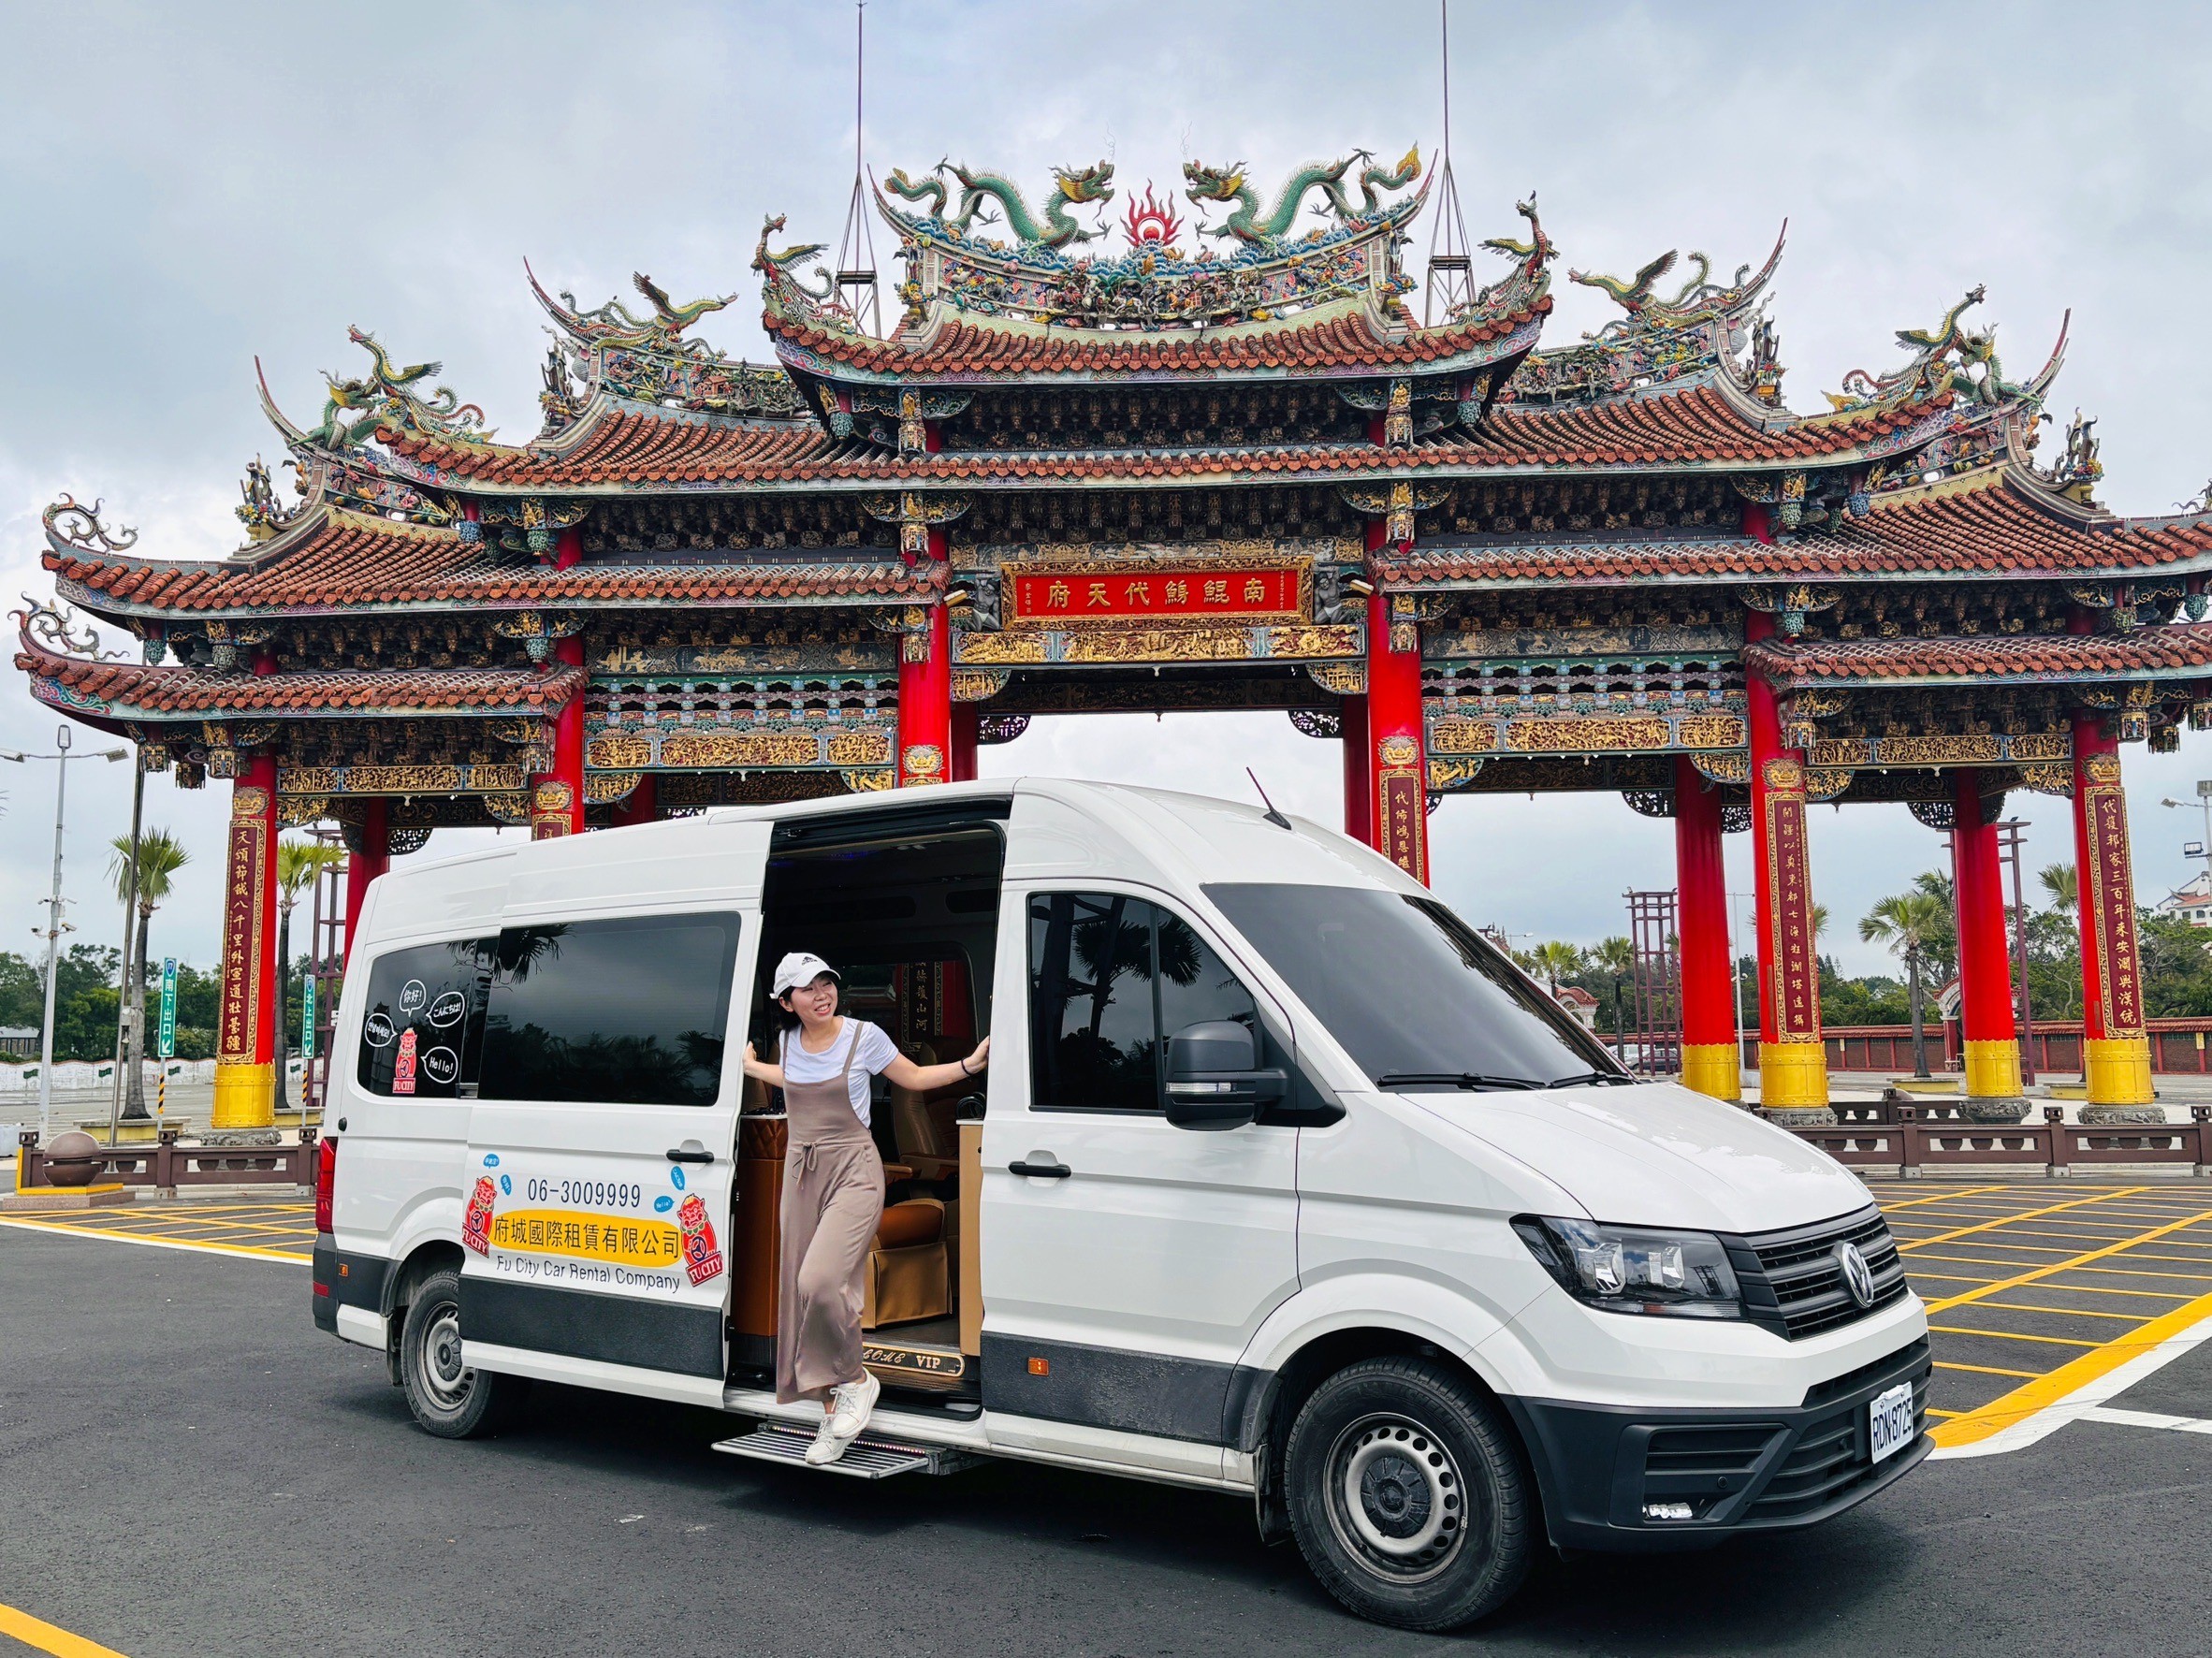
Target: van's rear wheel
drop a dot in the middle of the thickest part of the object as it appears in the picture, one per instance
(1407, 1495)
(447, 1398)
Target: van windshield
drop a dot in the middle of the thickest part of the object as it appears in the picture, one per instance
(1417, 997)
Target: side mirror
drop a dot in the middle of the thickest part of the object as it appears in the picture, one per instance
(1214, 1076)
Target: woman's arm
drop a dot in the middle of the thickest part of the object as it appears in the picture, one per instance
(762, 1070)
(923, 1079)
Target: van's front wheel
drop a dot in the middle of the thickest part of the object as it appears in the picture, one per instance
(448, 1399)
(1406, 1496)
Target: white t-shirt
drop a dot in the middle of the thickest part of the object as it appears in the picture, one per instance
(872, 1050)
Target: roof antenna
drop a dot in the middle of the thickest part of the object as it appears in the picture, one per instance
(856, 249)
(1451, 270)
(1272, 815)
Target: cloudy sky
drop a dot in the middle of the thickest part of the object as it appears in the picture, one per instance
(186, 188)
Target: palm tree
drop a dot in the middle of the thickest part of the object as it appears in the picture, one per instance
(1908, 923)
(1615, 958)
(2059, 882)
(1555, 961)
(160, 856)
(299, 862)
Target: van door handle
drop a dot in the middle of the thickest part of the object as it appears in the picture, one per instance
(689, 1151)
(1040, 1170)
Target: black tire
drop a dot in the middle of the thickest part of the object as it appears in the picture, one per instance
(446, 1400)
(1408, 1495)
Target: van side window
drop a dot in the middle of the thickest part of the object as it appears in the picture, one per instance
(425, 1020)
(1109, 978)
(628, 1011)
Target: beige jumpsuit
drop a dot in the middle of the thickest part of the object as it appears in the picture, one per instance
(833, 1202)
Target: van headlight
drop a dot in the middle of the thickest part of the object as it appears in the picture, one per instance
(1636, 1269)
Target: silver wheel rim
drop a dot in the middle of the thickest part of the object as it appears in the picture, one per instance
(1396, 1500)
(443, 1374)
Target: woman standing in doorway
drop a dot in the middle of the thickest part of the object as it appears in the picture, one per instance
(833, 1190)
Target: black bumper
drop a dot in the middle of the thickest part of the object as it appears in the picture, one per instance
(342, 1279)
(1739, 1470)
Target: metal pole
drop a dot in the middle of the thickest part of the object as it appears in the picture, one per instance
(53, 938)
(2012, 829)
(125, 1006)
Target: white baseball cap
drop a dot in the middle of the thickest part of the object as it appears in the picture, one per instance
(800, 968)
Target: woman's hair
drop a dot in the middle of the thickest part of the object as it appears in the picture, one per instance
(787, 1021)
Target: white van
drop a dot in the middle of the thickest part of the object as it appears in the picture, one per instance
(1281, 1181)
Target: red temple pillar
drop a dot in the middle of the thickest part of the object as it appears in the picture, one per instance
(966, 718)
(1397, 759)
(2115, 1044)
(245, 1049)
(365, 865)
(641, 805)
(925, 694)
(1793, 1062)
(556, 796)
(1986, 1033)
(1359, 820)
(1710, 1060)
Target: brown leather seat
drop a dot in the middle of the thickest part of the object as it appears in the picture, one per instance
(910, 1266)
(924, 1125)
(920, 1220)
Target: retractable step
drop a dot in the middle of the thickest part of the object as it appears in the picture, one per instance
(866, 1458)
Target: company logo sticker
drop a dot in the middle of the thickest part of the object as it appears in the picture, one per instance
(507, 1185)
(476, 1223)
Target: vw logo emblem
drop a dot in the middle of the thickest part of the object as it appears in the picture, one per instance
(1858, 1277)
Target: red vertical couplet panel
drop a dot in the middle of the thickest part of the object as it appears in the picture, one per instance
(2115, 1044)
(1359, 813)
(925, 694)
(556, 798)
(1397, 755)
(1793, 1063)
(245, 1037)
(1988, 1035)
(1711, 1061)
(966, 718)
(365, 865)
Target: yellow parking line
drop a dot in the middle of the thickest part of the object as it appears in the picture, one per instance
(2066, 1311)
(46, 1637)
(2007, 1335)
(2046, 1391)
(2146, 1272)
(1983, 1369)
(1938, 1197)
(2077, 1263)
(121, 1237)
(2025, 1214)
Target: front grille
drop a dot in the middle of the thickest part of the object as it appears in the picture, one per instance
(1792, 1281)
(1911, 1355)
(1832, 1455)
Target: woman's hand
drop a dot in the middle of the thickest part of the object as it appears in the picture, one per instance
(751, 1058)
(981, 1057)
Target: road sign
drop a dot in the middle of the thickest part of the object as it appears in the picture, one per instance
(307, 1018)
(168, 1006)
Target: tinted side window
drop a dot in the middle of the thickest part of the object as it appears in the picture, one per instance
(1092, 1036)
(1196, 985)
(425, 1020)
(633, 1011)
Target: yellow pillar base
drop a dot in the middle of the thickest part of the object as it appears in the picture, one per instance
(1792, 1076)
(1713, 1068)
(2118, 1070)
(1993, 1070)
(245, 1096)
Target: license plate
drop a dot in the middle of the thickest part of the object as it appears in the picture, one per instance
(1891, 1417)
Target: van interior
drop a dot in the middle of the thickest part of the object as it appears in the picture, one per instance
(908, 913)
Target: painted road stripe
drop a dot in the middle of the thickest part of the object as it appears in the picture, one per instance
(2008, 1335)
(260, 1251)
(2055, 1267)
(2010, 1219)
(46, 1637)
(2043, 1407)
(2143, 1419)
(1937, 1198)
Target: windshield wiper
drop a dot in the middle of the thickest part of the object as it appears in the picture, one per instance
(1458, 1079)
(1590, 1076)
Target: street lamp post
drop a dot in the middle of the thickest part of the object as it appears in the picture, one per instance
(55, 927)
(2203, 849)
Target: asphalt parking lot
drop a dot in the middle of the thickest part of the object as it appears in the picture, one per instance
(192, 1468)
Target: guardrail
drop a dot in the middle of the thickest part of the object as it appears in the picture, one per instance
(169, 1164)
(1898, 1140)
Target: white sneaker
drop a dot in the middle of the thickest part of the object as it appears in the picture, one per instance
(827, 1446)
(854, 1402)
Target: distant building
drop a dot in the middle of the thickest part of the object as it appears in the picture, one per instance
(2191, 901)
(1580, 1003)
(18, 1039)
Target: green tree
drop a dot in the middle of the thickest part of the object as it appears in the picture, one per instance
(1556, 960)
(160, 856)
(2058, 881)
(299, 862)
(1612, 963)
(1905, 923)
